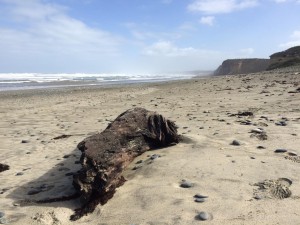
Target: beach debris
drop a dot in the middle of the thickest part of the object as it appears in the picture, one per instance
(278, 189)
(106, 154)
(261, 147)
(24, 141)
(200, 196)
(3, 167)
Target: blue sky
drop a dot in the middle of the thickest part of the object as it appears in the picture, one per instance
(141, 36)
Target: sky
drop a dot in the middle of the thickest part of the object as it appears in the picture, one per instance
(141, 36)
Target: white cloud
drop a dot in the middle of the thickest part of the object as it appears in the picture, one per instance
(166, 48)
(43, 28)
(294, 40)
(220, 6)
(246, 51)
(207, 20)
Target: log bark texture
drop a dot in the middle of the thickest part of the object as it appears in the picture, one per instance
(105, 155)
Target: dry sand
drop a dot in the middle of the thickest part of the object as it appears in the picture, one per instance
(152, 194)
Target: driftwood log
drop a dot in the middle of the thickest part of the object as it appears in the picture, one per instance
(105, 155)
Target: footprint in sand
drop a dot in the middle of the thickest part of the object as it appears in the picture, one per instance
(278, 189)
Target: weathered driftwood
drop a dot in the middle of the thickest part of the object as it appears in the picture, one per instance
(105, 155)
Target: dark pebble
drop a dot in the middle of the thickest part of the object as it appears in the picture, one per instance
(139, 162)
(24, 141)
(2, 214)
(66, 156)
(280, 150)
(236, 143)
(203, 216)
(200, 200)
(252, 157)
(261, 147)
(137, 167)
(186, 184)
(19, 174)
(200, 196)
(155, 156)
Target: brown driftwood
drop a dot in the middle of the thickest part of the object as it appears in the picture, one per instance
(105, 155)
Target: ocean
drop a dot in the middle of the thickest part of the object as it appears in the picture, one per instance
(21, 81)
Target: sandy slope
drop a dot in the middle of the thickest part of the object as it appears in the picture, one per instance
(152, 194)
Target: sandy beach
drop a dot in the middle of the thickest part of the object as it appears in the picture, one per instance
(254, 180)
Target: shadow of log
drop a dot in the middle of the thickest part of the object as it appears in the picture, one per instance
(53, 186)
(105, 155)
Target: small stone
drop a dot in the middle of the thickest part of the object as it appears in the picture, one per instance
(257, 131)
(139, 162)
(186, 184)
(155, 156)
(236, 143)
(280, 150)
(24, 141)
(203, 216)
(261, 147)
(200, 196)
(292, 153)
(20, 174)
(137, 167)
(252, 157)
(200, 200)
(201, 128)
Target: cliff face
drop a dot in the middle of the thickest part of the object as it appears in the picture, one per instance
(242, 66)
(289, 57)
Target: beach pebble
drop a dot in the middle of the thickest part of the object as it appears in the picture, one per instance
(200, 200)
(200, 196)
(186, 184)
(280, 150)
(203, 216)
(257, 130)
(292, 153)
(236, 143)
(137, 167)
(139, 162)
(24, 141)
(261, 147)
(155, 156)
(20, 174)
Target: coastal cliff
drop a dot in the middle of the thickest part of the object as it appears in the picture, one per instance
(289, 57)
(242, 66)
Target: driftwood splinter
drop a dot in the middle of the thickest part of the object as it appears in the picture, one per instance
(105, 155)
